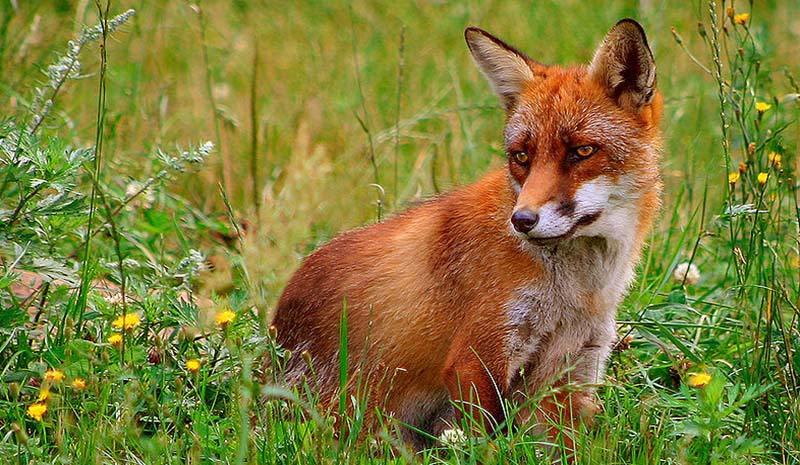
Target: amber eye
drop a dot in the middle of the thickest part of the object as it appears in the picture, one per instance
(521, 157)
(585, 150)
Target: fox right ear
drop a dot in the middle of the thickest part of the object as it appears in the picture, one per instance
(506, 69)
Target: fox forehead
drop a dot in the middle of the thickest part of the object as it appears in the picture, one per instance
(565, 107)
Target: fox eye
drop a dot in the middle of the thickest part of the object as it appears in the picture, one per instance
(585, 151)
(520, 157)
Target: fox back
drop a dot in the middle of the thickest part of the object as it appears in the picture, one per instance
(495, 291)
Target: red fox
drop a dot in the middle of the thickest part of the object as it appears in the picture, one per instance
(499, 289)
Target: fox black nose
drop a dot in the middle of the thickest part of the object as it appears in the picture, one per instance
(524, 220)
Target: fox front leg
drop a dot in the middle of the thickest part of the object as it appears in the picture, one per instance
(475, 391)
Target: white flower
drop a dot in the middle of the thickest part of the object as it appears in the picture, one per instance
(197, 156)
(687, 271)
(453, 437)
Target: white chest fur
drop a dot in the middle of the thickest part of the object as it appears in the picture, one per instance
(569, 312)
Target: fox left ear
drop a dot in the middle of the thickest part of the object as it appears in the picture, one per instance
(624, 65)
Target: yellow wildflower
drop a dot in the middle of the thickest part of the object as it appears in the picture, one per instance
(37, 411)
(54, 375)
(699, 379)
(193, 365)
(127, 321)
(741, 18)
(733, 177)
(44, 395)
(761, 107)
(774, 159)
(762, 178)
(78, 383)
(115, 339)
(223, 318)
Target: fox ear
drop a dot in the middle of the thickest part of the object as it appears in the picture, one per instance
(506, 69)
(624, 65)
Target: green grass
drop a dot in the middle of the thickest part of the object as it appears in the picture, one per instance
(325, 116)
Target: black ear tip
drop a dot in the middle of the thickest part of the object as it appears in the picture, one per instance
(628, 20)
(472, 32)
(630, 28)
(630, 24)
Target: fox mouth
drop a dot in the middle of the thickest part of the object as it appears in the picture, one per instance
(544, 241)
(584, 220)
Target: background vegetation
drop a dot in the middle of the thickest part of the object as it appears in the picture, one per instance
(138, 264)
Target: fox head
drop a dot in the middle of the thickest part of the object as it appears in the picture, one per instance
(582, 142)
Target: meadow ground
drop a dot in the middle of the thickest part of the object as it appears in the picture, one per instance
(232, 138)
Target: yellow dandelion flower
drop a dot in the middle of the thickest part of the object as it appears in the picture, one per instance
(699, 379)
(115, 339)
(761, 107)
(37, 411)
(774, 159)
(223, 318)
(762, 178)
(54, 375)
(44, 395)
(78, 383)
(127, 321)
(733, 177)
(193, 365)
(741, 18)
